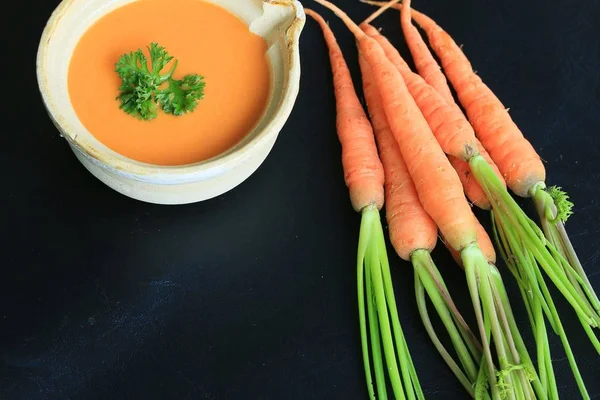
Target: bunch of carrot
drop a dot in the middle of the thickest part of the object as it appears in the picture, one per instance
(431, 155)
(521, 243)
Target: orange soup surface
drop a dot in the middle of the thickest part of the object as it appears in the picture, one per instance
(206, 40)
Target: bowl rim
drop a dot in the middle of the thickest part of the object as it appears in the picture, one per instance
(128, 167)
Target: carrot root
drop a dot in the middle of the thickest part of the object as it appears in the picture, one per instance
(384, 7)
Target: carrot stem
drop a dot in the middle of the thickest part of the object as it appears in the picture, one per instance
(526, 362)
(425, 282)
(375, 323)
(384, 341)
(532, 303)
(496, 322)
(384, 322)
(422, 307)
(554, 230)
(532, 237)
(519, 262)
(468, 336)
(406, 365)
(563, 338)
(473, 270)
(363, 273)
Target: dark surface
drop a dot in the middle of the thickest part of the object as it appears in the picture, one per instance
(252, 295)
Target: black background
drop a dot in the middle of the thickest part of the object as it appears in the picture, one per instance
(252, 294)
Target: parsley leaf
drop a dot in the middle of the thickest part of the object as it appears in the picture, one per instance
(142, 85)
(180, 97)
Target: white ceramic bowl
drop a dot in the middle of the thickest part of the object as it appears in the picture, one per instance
(280, 22)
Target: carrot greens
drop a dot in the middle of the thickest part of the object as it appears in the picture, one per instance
(144, 85)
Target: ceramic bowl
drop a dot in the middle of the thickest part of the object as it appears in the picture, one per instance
(279, 22)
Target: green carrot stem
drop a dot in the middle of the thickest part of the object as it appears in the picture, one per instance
(481, 385)
(505, 316)
(475, 265)
(420, 260)
(411, 384)
(526, 265)
(413, 375)
(513, 254)
(524, 260)
(378, 363)
(387, 340)
(422, 307)
(467, 334)
(531, 236)
(487, 301)
(554, 230)
(565, 342)
(541, 340)
(364, 235)
(363, 242)
(379, 313)
(485, 361)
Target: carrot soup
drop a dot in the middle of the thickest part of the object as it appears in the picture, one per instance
(204, 39)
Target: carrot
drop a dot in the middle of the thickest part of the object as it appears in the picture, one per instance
(494, 127)
(362, 167)
(516, 158)
(514, 155)
(413, 235)
(441, 195)
(431, 72)
(473, 191)
(407, 122)
(426, 65)
(432, 104)
(487, 247)
(364, 177)
(525, 267)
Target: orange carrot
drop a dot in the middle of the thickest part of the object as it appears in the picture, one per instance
(424, 61)
(431, 72)
(364, 177)
(362, 167)
(437, 183)
(454, 134)
(472, 188)
(487, 247)
(516, 158)
(442, 197)
(410, 227)
(413, 235)
(525, 174)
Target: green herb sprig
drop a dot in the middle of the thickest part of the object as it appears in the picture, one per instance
(143, 86)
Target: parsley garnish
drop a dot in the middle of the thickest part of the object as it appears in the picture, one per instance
(142, 88)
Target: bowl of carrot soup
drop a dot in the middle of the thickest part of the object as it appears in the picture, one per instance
(171, 101)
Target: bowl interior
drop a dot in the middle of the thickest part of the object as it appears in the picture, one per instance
(73, 17)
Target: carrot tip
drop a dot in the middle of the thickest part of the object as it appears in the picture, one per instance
(380, 11)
